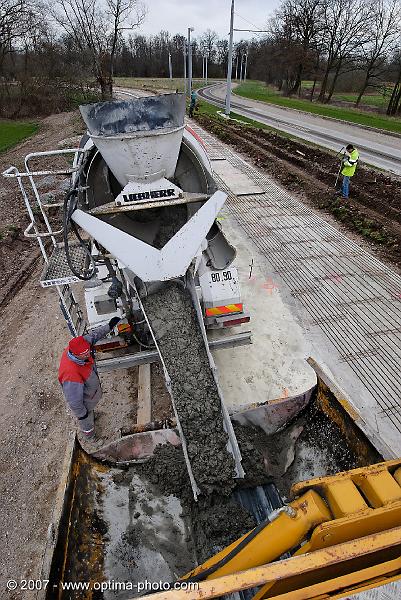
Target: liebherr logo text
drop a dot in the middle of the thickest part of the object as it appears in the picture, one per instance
(149, 195)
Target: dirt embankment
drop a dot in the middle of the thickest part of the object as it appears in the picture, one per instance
(374, 208)
(34, 423)
(18, 254)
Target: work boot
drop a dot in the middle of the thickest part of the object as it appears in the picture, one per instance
(91, 444)
(89, 435)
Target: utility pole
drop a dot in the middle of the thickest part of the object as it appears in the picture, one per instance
(185, 68)
(170, 66)
(246, 64)
(206, 57)
(189, 62)
(230, 61)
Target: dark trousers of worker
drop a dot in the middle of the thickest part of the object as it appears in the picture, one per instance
(345, 186)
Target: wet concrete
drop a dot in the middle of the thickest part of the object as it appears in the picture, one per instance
(216, 520)
(311, 446)
(176, 328)
(147, 538)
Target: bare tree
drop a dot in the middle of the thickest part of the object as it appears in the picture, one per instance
(15, 21)
(395, 99)
(97, 27)
(222, 54)
(295, 28)
(384, 29)
(346, 25)
(207, 44)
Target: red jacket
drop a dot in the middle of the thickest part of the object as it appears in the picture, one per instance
(79, 379)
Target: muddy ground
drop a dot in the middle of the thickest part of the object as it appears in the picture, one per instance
(18, 255)
(34, 423)
(373, 211)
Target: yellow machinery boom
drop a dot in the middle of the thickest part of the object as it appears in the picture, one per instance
(343, 532)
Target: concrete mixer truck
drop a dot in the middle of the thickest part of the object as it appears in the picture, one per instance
(205, 508)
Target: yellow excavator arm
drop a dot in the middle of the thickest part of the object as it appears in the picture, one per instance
(343, 532)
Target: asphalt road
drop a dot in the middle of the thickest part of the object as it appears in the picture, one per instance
(376, 148)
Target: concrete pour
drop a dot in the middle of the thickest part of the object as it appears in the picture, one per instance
(216, 520)
(175, 325)
(196, 397)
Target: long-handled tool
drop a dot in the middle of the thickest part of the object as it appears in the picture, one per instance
(339, 170)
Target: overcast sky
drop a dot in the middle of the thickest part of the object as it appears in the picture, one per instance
(176, 16)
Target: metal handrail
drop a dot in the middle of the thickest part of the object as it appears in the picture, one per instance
(28, 173)
(13, 172)
(39, 235)
(37, 173)
(71, 170)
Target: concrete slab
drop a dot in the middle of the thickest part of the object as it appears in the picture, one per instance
(239, 183)
(274, 366)
(345, 304)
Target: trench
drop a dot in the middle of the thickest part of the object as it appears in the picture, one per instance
(373, 210)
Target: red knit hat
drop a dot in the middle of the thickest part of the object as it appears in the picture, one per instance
(78, 345)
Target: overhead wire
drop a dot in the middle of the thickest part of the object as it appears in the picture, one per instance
(259, 30)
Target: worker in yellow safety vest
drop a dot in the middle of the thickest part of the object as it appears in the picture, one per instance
(349, 163)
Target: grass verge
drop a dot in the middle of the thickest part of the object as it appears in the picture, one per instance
(211, 111)
(13, 132)
(155, 83)
(257, 90)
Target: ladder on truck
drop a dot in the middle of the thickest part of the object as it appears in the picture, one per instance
(56, 272)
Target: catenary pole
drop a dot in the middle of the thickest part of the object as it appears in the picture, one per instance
(189, 62)
(185, 68)
(230, 61)
(170, 66)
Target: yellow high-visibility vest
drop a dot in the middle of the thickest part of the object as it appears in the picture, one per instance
(349, 167)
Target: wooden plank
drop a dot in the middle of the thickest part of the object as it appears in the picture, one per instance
(144, 412)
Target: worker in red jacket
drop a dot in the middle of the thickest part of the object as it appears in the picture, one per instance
(79, 378)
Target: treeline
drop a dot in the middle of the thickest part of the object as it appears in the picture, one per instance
(148, 56)
(322, 40)
(55, 55)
